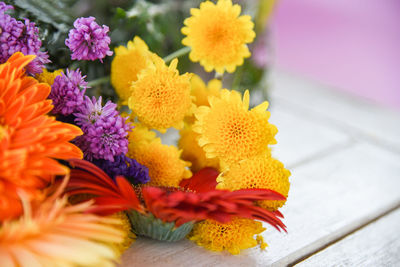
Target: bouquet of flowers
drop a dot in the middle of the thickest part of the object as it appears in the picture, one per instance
(80, 178)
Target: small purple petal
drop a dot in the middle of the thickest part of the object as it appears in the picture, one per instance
(88, 41)
(67, 92)
(105, 131)
(18, 36)
(124, 166)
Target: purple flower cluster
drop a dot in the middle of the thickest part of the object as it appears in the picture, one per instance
(18, 36)
(88, 41)
(93, 111)
(105, 131)
(4, 7)
(67, 92)
(135, 172)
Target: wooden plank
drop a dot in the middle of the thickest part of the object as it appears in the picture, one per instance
(329, 197)
(330, 107)
(301, 139)
(378, 244)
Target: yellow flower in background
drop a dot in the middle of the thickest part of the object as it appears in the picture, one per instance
(231, 132)
(217, 35)
(160, 98)
(48, 76)
(125, 227)
(140, 135)
(262, 172)
(191, 151)
(53, 233)
(233, 236)
(166, 168)
(127, 64)
(201, 92)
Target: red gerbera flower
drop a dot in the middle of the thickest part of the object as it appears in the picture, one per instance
(177, 205)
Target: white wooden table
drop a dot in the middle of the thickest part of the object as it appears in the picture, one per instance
(344, 204)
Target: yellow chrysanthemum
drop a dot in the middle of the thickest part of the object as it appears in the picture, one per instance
(127, 64)
(259, 172)
(201, 92)
(48, 76)
(231, 132)
(160, 98)
(191, 151)
(125, 227)
(218, 35)
(233, 236)
(139, 135)
(166, 168)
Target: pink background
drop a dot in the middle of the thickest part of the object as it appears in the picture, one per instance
(351, 45)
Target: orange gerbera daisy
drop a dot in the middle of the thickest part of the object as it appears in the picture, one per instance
(54, 233)
(30, 141)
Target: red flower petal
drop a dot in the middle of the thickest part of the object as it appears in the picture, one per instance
(111, 197)
(202, 181)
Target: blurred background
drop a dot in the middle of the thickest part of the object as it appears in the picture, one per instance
(349, 45)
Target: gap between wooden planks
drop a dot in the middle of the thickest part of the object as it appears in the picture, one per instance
(376, 244)
(344, 233)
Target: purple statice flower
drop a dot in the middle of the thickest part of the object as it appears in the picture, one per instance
(135, 172)
(67, 92)
(88, 41)
(91, 111)
(18, 36)
(105, 131)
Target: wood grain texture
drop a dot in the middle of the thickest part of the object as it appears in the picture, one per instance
(330, 107)
(329, 197)
(301, 139)
(377, 244)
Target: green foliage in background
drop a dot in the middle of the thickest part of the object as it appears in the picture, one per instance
(158, 23)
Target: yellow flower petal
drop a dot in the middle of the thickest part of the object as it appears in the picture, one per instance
(233, 236)
(160, 98)
(218, 35)
(48, 76)
(166, 168)
(127, 64)
(191, 151)
(259, 172)
(201, 92)
(231, 132)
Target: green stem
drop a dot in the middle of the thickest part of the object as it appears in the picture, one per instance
(178, 53)
(237, 78)
(99, 81)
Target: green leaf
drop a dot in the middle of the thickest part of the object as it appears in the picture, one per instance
(120, 13)
(47, 11)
